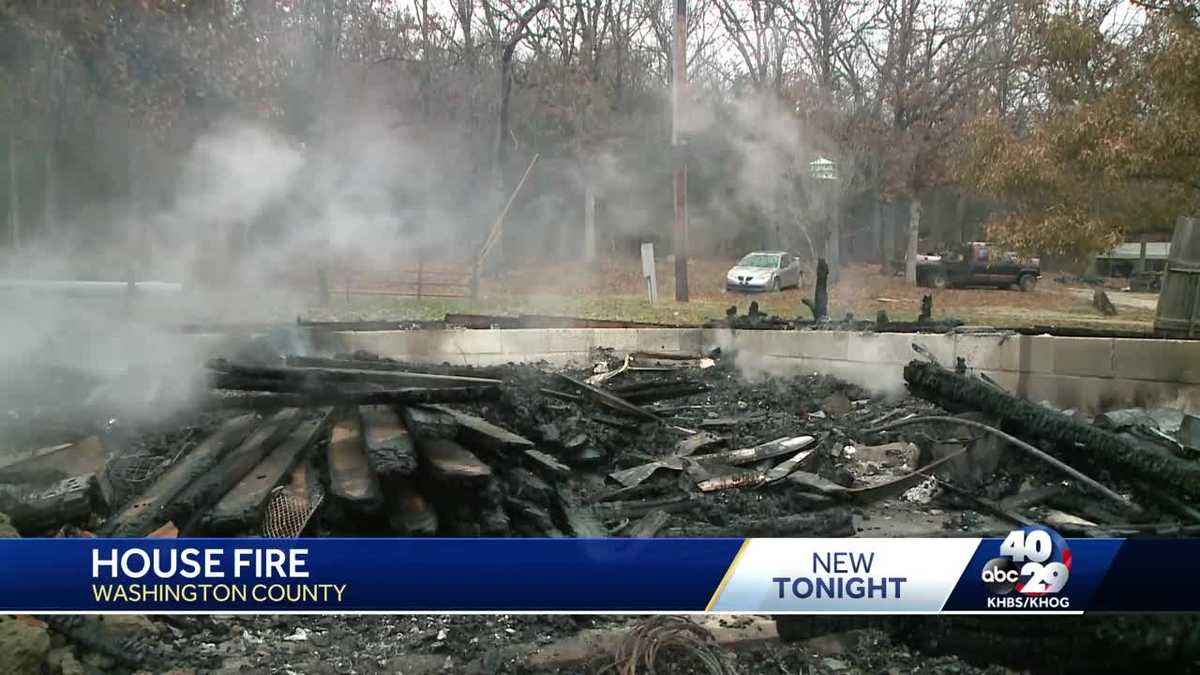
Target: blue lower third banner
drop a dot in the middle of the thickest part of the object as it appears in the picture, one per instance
(1030, 570)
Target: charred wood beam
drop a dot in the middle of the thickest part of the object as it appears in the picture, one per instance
(943, 386)
(352, 483)
(209, 487)
(480, 434)
(660, 391)
(609, 400)
(314, 375)
(148, 511)
(332, 396)
(241, 508)
(390, 450)
(386, 365)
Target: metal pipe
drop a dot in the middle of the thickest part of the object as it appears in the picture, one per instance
(1053, 461)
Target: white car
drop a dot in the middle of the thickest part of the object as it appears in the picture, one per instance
(764, 271)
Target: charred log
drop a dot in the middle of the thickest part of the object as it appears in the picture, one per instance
(1032, 420)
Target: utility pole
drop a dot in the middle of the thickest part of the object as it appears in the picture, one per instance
(680, 244)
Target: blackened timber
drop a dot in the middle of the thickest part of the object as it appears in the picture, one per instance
(478, 433)
(308, 375)
(241, 508)
(1161, 470)
(147, 512)
(209, 487)
(409, 512)
(332, 396)
(352, 483)
(387, 365)
(428, 422)
(448, 462)
(611, 401)
(662, 392)
(390, 450)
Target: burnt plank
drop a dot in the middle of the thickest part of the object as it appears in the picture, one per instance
(427, 422)
(447, 461)
(352, 483)
(610, 400)
(409, 512)
(308, 375)
(146, 513)
(320, 396)
(241, 508)
(389, 446)
(478, 433)
(493, 372)
(209, 487)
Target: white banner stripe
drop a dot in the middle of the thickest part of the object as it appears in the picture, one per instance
(845, 575)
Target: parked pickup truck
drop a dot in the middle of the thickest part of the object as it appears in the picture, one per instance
(978, 264)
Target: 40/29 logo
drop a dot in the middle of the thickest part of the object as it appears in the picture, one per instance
(1033, 561)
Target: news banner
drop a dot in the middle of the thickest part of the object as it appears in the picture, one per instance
(1032, 569)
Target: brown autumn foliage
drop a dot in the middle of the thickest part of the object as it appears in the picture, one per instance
(1116, 150)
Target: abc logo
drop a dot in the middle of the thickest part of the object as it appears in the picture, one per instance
(1000, 575)
(1033, 561)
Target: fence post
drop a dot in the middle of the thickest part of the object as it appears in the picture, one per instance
(420, 274)
(475, 281)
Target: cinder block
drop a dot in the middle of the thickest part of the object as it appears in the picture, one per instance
(658, 339)
(823, 344)
(1037, 354)
(717, 337)
(519, 341)
(780, 342)
(570, 339)
(620, 339)
(1084, 357)
(556, 358)
(1009, 380)
(890, 348)
(748, 340)
(989, 352)
(691, 341)
(473, 342)
(1160, 360)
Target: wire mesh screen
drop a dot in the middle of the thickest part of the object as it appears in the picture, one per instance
(130, 473)
(288, 513)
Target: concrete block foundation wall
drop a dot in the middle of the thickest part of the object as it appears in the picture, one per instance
(1090, 374)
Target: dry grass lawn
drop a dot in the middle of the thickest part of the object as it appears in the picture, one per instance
(614, 289)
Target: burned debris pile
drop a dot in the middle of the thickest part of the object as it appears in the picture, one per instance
(640, 444)
(637, 445)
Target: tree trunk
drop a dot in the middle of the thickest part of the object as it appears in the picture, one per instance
(914, 233)
(877, 249)
(889, 239)
(960, 217)
(834, 245)
(14, 196)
